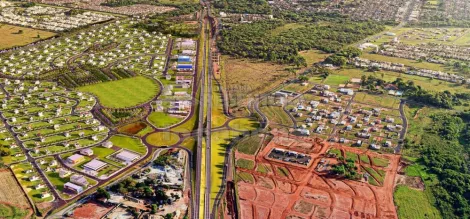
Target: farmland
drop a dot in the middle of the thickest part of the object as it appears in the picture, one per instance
(10, 36)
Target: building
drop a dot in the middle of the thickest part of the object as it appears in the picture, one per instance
(95, 165)
(86, 152)
(184, 67)
(127, 156)
(63, 173)
(183, 58)
(107, 144)
(73, 188)
(75, 158)
(45, 195)
(79, 180)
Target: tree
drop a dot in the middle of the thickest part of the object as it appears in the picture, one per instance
(101, 193)
(154, 209)
(303, 78)
(336, 60)
(20, 31)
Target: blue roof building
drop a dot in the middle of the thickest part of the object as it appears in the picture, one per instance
(184, 59)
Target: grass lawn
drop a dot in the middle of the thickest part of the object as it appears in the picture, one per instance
(220, 141)
(123, 93)
(9, 36)
(218, 116)
(286, 27)
(336, 80)
(313, 56)
(425, 83)
(351, 155)
(384, 100)
(244, 124)
(380, 162)
(364, 158)
(129, 143)
(277, 115)
(189, 143)
(163, 120)
(282, 171)
(163, 139)
(244, 163)
(249, 145)
(245, 177)
(12, 212)
(413, 203)
(262, 168)
(335, 151)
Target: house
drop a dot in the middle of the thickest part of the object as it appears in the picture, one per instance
(63, 172)
(33, 178)
(388, 144)
(75, 158)
(79, 180)
(86, 152)
(346, 91)
(39, 186)
(95, 165)
(45, 195)
(73, 188)
(375, 146)
(127, 156)
(107, 144)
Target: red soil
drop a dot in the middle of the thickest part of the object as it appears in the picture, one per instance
(276, 196)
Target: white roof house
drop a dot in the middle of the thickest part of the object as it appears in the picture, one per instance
(95, 165)
(79, 180)
(107, 144)
(127, 156)
(86, 152)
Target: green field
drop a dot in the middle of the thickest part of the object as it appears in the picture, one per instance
(414, 204)
(407, 62)
(129, 143)
(163, 139)
(163, 120)
(277, 115)
(336, 80)
(313, 56)
(245, 177)
(123, 93)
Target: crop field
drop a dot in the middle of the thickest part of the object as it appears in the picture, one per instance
(11, 193)
(10, 36)
(123, 93)
(12, 212)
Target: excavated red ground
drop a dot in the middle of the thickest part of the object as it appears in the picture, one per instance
(306, 193)
(91, 210)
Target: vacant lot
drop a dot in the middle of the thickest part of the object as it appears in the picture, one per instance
(129, 143)
(163, 120)
(245, 78)
(123, 93)
(163, 139)
(313, 56)
(10, 36)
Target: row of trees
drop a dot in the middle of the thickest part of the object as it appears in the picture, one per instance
(255, 40)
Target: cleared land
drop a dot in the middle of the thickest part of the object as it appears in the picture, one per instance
(10, 36)
(123, 93)
(244, 124)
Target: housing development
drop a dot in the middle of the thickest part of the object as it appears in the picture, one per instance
(234, 109)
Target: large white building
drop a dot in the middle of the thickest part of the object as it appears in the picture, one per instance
(127, 156)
